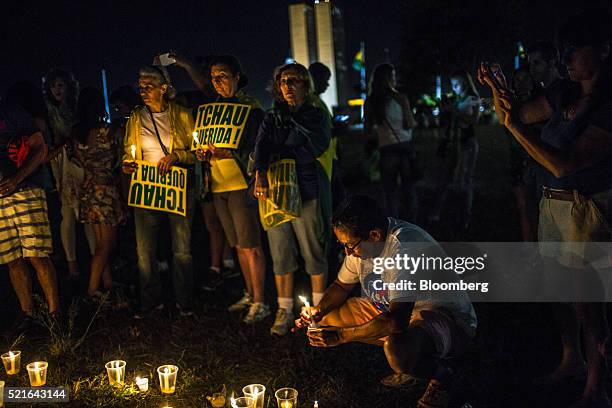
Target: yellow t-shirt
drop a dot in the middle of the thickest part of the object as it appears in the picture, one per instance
(226, 176)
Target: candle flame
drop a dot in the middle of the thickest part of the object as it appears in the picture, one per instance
(133, 148)
(233, 401)
(11, 354)
(166, 370)
(195, 137)
(303, 299)
(316, 404)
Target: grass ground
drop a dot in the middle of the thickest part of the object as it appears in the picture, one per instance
(214, 349)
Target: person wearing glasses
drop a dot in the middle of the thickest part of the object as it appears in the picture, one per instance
(296, 128)
(161, 131)
(416, 329)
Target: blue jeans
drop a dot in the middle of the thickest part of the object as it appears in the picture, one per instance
(147, 230)
(298, 237)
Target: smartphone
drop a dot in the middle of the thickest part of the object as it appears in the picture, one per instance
(165, 59)
(497, 75)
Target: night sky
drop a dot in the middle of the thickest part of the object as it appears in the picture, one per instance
(85, 37)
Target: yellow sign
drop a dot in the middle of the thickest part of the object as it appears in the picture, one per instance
(220, 124)
(160, 193)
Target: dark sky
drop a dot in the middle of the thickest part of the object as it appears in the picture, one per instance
(87, 36)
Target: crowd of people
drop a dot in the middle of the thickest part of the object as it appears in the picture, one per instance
(60, 142)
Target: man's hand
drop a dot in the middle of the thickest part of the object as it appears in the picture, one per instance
(507, 111)
(129, 167)
(308, 316)
(165, 163)
(327, 336)
(8, 186)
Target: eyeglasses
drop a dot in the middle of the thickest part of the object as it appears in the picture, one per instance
(350, 248)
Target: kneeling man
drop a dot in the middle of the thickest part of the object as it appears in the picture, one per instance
(416, 328)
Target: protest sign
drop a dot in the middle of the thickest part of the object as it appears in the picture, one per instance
(150, 190)
(221, 124)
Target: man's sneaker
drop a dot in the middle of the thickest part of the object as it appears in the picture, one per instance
(142, 314)
(435, 396)
(397, 380)
(242, 304)
(184, 311)
(257, 312)
(282, 323)
(212, 281)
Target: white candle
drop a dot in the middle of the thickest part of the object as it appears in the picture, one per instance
(133, 148)
(142, 383)
(312, 324)
(12, 361)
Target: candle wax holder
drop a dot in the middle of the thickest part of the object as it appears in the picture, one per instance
(37, 372)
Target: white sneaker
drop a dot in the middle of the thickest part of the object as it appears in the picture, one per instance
(242, 304)
(257, 312)
(283, 322)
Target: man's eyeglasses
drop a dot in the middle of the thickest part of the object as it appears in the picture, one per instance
(349, 247)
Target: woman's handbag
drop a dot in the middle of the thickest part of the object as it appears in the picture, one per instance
(284, 202)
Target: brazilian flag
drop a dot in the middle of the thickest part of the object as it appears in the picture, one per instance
(358, 61)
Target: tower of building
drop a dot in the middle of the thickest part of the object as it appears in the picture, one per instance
(317, 34)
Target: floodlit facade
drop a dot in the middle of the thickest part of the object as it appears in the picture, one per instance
(317, 34)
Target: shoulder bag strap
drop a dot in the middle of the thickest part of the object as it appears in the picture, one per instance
(161, 144)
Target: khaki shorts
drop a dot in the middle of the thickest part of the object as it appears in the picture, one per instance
(24, 226)
(240, 223)
(448, 337)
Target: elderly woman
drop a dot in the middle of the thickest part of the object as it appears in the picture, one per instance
(228, 183)
(161, 132)
(297, 128)
(575, 147)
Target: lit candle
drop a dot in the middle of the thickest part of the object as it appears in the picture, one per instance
(142, 383)
(311, 325)
(38, 373)
(167, 378)
(195, 138)
(12, 362)
(316, 404)
(133, 148)
(116, 372)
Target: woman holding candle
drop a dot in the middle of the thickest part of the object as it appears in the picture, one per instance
(161, 132)
(101, 206)
(575, 149)
(299, 129)
(229, 182)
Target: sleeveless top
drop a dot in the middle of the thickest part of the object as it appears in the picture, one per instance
(392, 131)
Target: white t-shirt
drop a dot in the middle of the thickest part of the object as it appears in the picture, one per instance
(405, 238)
(392, 130)
(151, 150)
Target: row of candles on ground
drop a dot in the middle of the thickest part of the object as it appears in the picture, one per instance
(253, 394)
(37, 370)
